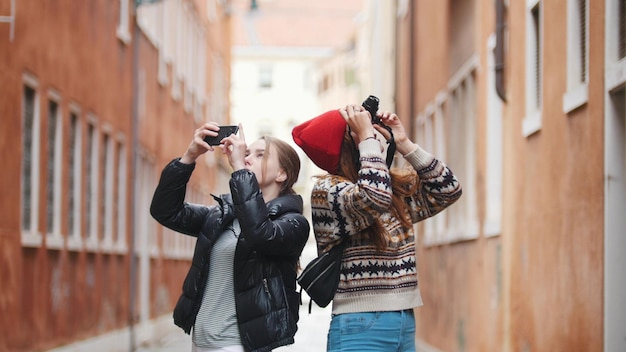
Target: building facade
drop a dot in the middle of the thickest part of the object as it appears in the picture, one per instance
(96, 99)
(525, 102)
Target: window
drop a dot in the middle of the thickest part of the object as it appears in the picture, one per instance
(218, 81)
(615, 73)
(53, 175)
(178, 34)
(123, 32)
(30, 163)
(265, 76)
(577, 55)
(175, 245)
(456, 109)
(532, 121)
(434, 142)
(91, 177)
(106, 207)
(493, 175)
(74, 181)
(622, 29)
(462, 217)
(350, 76)
(144, 224)
(120, 200)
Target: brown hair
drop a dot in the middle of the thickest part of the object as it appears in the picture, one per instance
(402, 184)
(287, 159)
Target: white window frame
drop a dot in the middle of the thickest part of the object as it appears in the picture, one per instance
(163, 43)
(54, 239)
(459, 222)
(615, 72)
(492, 224)
(91, 240)
(435, 228)
(532, 121)
(577, 93)
(425, 139)
(108, 145)
(122, 188)
(123, 26)
(32, 237)
(178, 54)
(463, 217)
(266, 76)
(211, 13)
(74, 238)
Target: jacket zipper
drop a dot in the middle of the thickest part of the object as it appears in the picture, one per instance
(266, 287)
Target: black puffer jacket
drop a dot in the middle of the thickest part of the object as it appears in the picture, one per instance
(271, 241)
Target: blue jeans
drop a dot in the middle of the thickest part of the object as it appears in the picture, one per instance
(372, 331)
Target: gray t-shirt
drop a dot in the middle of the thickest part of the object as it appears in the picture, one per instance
(216, 323)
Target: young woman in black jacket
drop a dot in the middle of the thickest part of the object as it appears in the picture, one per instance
(240, 292)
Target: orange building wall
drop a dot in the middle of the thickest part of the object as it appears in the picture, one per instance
(52, 297)
(555, 205)
(538, 285)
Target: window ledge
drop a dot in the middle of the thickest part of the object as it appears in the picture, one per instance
(154, 252)
(178, 255)
(492, 228)
(615, 75)
(54, 241)
(531, 124)
(31, 240)
(459, 235)
(120, 248)
(107, 246)
(575, 98)
(74, 244)
(123, 35)
(91, 245)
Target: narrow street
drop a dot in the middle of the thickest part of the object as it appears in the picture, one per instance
(312, 328)
(311, 335)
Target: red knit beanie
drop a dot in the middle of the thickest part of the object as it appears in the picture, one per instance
(320, 138)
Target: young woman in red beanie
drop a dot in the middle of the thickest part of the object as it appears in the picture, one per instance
(372, 208)
(240, 292)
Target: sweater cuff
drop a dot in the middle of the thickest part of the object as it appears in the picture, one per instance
(419, 158)
(370, 148)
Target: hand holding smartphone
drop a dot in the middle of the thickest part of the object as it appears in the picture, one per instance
(224, 132)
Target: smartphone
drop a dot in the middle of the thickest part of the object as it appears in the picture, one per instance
(224, 132)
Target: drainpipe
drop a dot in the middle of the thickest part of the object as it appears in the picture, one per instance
(133, 168)
(499, 49)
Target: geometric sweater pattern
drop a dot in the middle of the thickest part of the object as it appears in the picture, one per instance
(371, 279)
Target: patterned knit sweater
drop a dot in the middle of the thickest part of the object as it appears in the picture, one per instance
(371, 279)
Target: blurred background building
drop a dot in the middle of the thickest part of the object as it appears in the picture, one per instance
(96, 99)
(525, 101)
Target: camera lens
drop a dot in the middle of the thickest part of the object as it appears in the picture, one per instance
(371, 105)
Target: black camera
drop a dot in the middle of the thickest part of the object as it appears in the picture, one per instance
(371, 105)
